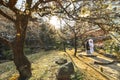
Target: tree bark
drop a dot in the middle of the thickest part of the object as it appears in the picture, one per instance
(22, 63)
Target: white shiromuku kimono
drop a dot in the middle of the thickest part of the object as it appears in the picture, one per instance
(91, 45)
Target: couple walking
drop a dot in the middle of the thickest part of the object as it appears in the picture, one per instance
(89, 46)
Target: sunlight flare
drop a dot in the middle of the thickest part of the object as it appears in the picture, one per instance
(54, 20)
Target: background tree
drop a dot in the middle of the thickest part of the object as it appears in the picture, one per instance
(78, 31)
(64, 37)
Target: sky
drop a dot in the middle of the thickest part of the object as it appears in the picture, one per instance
(56, 22)
(19, 4)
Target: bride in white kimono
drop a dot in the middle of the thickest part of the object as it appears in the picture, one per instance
(91, 46)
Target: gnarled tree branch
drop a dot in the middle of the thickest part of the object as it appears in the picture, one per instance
(10, 5)
(41, 1)
(6, 16)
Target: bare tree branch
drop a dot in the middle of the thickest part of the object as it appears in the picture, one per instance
(41, 1)
(6, 16)
(47, 1)
(70, 27)
(29, 3)
(65, 10)
(10, 5)
(102, 27)
(44, 14)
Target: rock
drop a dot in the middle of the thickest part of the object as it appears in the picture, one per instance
(104, 63)
(61, 61)
(65, 71)
(91, 55)
(110, 56)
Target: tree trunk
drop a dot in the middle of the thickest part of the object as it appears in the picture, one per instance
(64, 46)
(20, 60)
(75, 45)
(22, 63)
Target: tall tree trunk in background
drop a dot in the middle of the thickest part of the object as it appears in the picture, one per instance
(64, 46)
(75, 44)
(22, 63)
